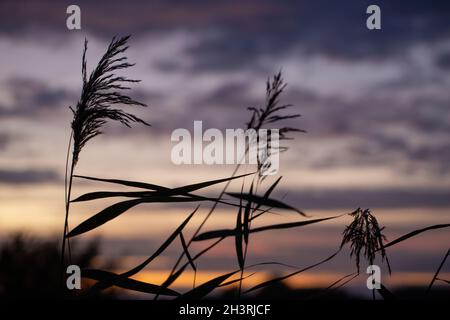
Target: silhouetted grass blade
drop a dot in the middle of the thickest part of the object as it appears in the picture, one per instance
(236, 280)
(109, 194)
(246, 220)
(262, 201)
(201, 185)
(171, 279)
(414, 233)
(271, 188)
(114, 279)
(278, 279)
(443, 280)
(163, 246)
(165, 190)
(127, 283)
(331, 287)
(135, 184)
(204, 289)
(247, 213)
(117, 209)
(238, 239)
(103, 216)
(223, 233)
(269, 191)
(149, 196)
(186, 251)
(436, 274)
(175, 275)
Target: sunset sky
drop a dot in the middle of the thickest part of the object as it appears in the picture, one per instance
(375, 105)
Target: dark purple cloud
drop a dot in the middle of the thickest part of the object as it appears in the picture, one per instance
(245, 30)
(28, 176)
(31, 97)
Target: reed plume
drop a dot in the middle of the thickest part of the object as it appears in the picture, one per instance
(269, 115)
(102, 91)
(364, 233)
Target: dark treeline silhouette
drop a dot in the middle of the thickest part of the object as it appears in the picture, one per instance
(30, 269)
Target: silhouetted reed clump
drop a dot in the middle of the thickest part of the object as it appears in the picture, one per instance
(99, 94)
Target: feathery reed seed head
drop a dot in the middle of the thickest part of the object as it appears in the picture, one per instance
(101, 91)
(364, 233)
(271, 114)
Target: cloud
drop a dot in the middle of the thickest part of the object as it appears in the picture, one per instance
(443, 61)
(29, 97)
(243, 32)
(30, 176)
(368, 99)
(369, 198)
(5, 140)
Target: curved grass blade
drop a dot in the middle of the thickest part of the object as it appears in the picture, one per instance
(135, 184)
(269, 190)
(262, 201)
(201, 185)
(443, 280)
(238, 238)
(416, 232)
(106, 283)
(165, 190)
(438, 271)
(171, 279)
(236, 280)
(223, 233)
(163, 246)
(117, 209)
(247, 213)
(149, 196)
(357, 274)
(278, 279)
(127, 283)
(109, 194)
(103, 216)
(331, 287)
(261, 213)
(205, 288)
(186, 252)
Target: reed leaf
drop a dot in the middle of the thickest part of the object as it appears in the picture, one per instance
(186, 252)
(223, 233)
(201, 185)
(443, 280)
(236, 280)
(103, 216)
(115, 278)
(238, 238)
(247, 213)
(205, 288)
(111, 194)
(129, 284)
(165, 190)
(116, 210)
(135, 184)
(436, 274)
(415, 233)
(263, 201)
(279, 279)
